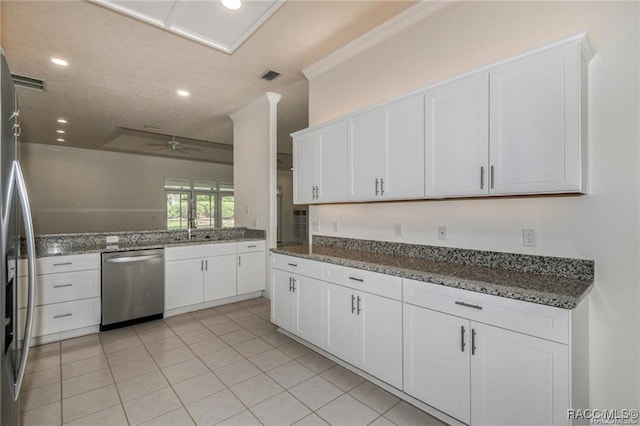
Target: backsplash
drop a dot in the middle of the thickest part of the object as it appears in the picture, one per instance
(562, 267)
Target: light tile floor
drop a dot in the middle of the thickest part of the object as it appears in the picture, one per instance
(226, 365)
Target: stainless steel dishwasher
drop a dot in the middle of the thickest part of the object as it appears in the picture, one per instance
(132, 287)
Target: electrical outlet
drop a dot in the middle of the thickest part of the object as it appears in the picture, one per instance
(529, 238)
(255, 221)
(112, 239)
(336, 226)
(442, 232)
(246, 209)
(397, 229)
(315, 226)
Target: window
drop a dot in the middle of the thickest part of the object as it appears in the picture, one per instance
(203, 204)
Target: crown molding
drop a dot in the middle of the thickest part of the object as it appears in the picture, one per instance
(380, 33)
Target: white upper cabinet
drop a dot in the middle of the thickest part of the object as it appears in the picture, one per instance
(386, 147)
(457, 137)
(515, 128)
(537, 124)
(304, 169)
(320, 165)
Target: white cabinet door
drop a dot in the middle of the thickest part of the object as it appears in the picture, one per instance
(517, 379)
(535, 110)
(310, 308)
(364, 140)
(341, 323)
(251, 272)
(219, 277)
(304, 169)
(457, 138)
(402, 149)
(283, 303)
(380, 321)
(183, 283)
(436, 360)
(332, 157)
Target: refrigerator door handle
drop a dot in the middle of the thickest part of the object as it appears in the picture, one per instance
(18, 181)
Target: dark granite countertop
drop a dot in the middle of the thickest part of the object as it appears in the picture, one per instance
(85, 243)
(547, 289)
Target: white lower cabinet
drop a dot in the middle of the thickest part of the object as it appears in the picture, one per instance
(480, 359)
(297, 304)
(436, 360)
(365, 330)
(479, 373)
(517, 379)
(67, 296)
(219, 277)
(208, 272)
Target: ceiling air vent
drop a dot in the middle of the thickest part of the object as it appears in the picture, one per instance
(270, 75)
(28, 82)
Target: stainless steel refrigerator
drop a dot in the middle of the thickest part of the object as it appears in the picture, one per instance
(15, 216)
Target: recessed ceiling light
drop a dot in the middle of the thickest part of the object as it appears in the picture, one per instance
(232, 4)
(59, 61)
(62, 121)
(183, 93)
(60, 131)
(60, 140)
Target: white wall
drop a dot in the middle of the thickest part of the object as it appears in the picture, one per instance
(603, 225)
(254, 159)
(82, 190)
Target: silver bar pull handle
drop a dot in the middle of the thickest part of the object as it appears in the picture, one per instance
(131, 259)
(360, 280)
(462, 344)
(63, 264)
(295, 265)
(206, 264)
(202, 265)
(377, 184)
(62, 316)
(17, 180)
(381, 186)
(294, 281)
(481, 177)
(493, 180)
(290, 284)
(469, 305)
(239, 260)
(358, 304)
(62, 285)
(253, 246)
(473, 341)
(317, 192)
(353, 303)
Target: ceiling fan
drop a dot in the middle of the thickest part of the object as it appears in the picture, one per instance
(173, 145)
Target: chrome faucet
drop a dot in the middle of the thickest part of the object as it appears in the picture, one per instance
(191, 228)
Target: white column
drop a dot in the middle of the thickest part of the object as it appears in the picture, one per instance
(254, 164)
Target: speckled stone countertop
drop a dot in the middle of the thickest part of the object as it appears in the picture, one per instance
(96, 242)
(551, 281)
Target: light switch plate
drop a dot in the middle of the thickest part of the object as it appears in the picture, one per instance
(442, 232)
(397, 229)
(315, 226)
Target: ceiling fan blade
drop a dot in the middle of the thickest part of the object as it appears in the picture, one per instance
(182, 150)
(157, 144)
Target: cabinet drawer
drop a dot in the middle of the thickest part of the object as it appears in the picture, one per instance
(297, 265)
(59, 317)
(63, 287)
(249, 246)
(200, 250)
(542, 321)
(372, 282)
(55, 264)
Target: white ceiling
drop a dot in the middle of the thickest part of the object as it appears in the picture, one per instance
(124, 73)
